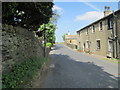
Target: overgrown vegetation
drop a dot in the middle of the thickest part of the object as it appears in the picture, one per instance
(80, 50)
(87, 51)
(112, 60)
(49, 28)
(32, 16)
(49, 44)
(22, 72)
(50, 32)
(64, 36)
(27, 14)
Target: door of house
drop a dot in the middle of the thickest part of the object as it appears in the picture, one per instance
(119, 49)
(110, 46)
(79, 46)
(84, 47)
(76, 47)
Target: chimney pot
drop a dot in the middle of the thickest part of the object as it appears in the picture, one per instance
(105, 7)
(107, 11)
(108, 8)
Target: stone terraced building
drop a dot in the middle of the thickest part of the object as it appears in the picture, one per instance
(71, 41)
(102, 37)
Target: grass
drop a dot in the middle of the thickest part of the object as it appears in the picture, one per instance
(59, 43)
(22, 72)
(56, 42)
(113, 60)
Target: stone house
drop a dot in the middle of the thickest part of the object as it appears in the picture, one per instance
(102, 37)
(71, 41)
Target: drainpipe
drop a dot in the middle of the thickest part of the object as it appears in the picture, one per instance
(89, 40)
(113, 37)
(116, 34)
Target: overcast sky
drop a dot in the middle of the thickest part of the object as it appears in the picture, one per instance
(76, 15)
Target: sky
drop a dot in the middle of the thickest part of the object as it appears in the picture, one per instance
(76, 15)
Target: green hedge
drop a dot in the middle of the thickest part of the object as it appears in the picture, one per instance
(49, 44)
(22, 73)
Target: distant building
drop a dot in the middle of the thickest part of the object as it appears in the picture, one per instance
(71, 41)
(102, 37)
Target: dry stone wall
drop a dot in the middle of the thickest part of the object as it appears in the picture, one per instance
(18, 44)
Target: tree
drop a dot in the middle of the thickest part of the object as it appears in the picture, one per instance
(64, 36)
(50, 32)
(26, 14)
(54, 18)
(50, 28)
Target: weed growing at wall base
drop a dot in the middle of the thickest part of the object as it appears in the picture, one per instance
(22, 72)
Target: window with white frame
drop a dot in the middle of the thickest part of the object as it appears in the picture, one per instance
(87, 31)
(101, 26)
(90, 27)
(98, 44)
(79, 33)
(93, 28)
(87, 44)
(110, 46)
(110, 23)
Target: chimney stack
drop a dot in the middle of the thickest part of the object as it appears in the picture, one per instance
(107, 11)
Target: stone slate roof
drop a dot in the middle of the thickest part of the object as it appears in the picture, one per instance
(118, 11)
(71, 36)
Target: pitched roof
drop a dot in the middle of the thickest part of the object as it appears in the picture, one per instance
(118, 11)
(71, 36)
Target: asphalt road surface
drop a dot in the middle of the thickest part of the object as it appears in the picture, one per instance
(72, 69)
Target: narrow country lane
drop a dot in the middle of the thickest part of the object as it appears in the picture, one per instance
(71, 69)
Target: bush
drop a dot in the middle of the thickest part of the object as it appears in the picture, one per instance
(90, 52)
(49, 44)
(87, 50)
(22, 72)
(80, 50)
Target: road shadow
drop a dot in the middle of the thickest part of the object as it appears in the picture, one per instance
(76, 74)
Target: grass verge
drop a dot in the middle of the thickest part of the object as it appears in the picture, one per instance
(22, 72)
(59, 43)
(113, 60)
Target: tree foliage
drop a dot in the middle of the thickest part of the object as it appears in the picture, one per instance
(26, 14)
(50, 32)
(50, 28)
(64, 36)
(54, 18)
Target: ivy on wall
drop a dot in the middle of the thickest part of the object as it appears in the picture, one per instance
(22, 72)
